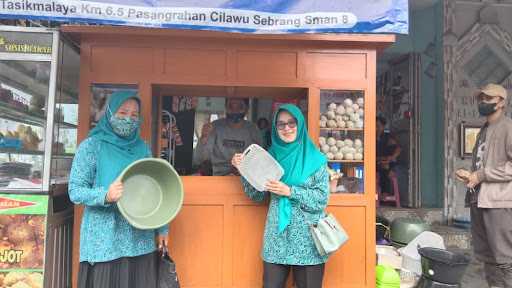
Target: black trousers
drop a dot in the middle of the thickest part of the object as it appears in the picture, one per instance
(307, 276)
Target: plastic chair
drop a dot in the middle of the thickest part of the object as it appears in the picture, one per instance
(395, 197)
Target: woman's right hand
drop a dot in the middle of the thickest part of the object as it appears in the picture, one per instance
(115, 191)
(236, 160)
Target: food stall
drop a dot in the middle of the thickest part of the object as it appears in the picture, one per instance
(216, 238)
(38, 130)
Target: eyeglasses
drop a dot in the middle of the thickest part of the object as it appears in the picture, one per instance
(291, 123)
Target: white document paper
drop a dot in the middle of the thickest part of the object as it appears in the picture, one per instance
(258, 167)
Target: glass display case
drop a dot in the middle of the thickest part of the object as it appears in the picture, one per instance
(33, 86)
(342, 138)
(39, 76)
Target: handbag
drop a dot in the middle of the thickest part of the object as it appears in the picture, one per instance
(167, 276)
(328, 235)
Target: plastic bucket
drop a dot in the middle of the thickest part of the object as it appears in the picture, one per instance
(442, 265)
(152, 195)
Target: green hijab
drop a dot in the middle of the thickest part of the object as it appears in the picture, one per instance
(116, 152)
(299, 159)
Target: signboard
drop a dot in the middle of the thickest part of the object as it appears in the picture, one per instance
(271, 16)
(23, 230)
(26, 42)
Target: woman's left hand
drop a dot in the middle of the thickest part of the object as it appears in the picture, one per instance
(162, 242)
(278, 187)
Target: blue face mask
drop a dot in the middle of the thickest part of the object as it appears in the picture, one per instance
(125, 126)
(122, 126)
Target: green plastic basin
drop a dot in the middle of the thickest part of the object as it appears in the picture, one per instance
(152, 194)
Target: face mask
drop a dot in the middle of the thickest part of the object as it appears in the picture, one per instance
(125, 126)
(486, 109)
(235, 117)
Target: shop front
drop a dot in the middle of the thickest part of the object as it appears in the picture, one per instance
(183, 78)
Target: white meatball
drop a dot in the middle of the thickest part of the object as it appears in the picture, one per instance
(340, 110)
(349, 143)
(355, 107)
(359, 124)
(325, 148)
(360, 101)
(350, 124)
(349, 111)
(360, 112)
(354, 117)
(323, 118)
(358, 143)
(323, 124)
(330, 115)
(332, 124)
(340, 143)
(331, 141)
(322, 140)
(338, 156)
(333, 149)
(341, 124)
(358, 156)
(338, 118)
(332, 107)
(330, 156)
(351, 150)
(345, 117)
(348, 102)
(360, 150)
(349, 156)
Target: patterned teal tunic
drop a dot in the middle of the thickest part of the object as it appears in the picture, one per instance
(104, 235)
(294, 246)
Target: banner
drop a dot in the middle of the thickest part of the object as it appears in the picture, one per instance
(246, 16)
(22, 247)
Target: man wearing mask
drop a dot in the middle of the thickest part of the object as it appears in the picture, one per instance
(489, 185)
(225, 137)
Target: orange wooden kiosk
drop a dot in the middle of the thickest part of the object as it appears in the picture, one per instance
(216, 238)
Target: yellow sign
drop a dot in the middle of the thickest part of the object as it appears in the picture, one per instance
(13, 47)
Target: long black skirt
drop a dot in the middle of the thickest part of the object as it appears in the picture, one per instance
(127, 272)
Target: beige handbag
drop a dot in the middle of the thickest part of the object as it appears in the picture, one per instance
(328, 235)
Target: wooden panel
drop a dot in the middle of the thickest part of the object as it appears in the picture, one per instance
(126, 61)
(266, 65)
(196, 245)
(249, 224)
(347, 268)
(335, 66)
(216, 239)
(196, 62)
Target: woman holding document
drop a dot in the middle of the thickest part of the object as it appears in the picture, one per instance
(297, 201)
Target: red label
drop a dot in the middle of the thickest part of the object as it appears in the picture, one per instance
(7, 203)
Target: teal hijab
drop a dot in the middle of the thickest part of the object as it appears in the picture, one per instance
(116, 152)
(299, 159)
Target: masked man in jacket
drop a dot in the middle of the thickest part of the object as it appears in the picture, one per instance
(225, 137)
(489, 185)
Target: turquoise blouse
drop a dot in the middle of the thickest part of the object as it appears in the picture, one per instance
(294, 246)
(104, 235)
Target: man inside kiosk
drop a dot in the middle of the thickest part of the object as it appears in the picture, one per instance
(225, 137)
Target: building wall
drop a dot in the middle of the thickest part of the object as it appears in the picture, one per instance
(477, 44)
(425, 40)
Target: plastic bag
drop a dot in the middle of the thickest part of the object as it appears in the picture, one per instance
(167, 276)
